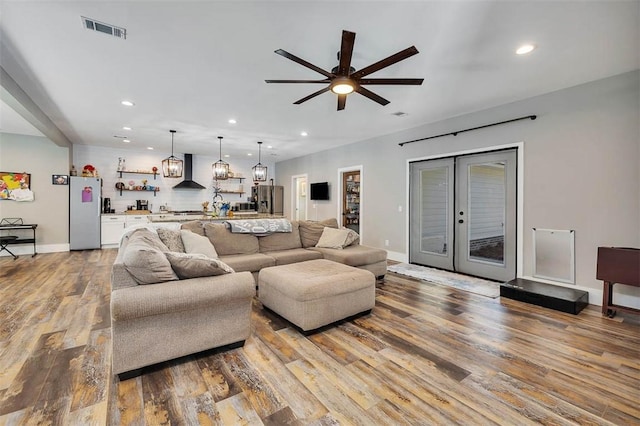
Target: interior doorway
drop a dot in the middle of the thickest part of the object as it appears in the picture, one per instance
(351, 198)
(463, 214)
(299, 197)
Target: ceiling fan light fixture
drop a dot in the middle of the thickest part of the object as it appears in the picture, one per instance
(220, 168)
(259, 171)
(342, 86)
(172, 166)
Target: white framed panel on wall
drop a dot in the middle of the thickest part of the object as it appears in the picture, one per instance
(554, 255)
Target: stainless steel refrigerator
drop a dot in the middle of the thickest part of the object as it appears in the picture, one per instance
(268, 198)
(85, 201)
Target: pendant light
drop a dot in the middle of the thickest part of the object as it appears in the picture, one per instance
(259, 171)
(220, 168)
(172, 166)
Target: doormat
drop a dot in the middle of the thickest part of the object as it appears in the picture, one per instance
(462, 282)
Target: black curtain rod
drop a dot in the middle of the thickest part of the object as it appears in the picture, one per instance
(532, 117)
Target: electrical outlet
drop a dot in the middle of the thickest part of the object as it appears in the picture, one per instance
(399, 209)
(386, 243)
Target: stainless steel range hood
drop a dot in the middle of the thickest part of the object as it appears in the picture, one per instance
(188, 182)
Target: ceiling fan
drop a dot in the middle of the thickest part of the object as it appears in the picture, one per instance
(344, 79)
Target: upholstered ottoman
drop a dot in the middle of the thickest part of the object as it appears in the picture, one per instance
(317, 292)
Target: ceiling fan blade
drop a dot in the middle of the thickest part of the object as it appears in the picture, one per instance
(405, 81)
(369, 94)
(302, 62)
(299, 81)
(313, 95)
(346, 51)
(342, 101)
(404, 54)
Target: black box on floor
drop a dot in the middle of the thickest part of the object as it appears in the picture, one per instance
(546, 295)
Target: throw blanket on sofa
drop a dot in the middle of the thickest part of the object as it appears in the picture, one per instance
(259, 226)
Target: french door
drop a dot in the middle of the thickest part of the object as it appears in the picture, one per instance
(463, 214)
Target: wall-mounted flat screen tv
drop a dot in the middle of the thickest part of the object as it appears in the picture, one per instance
(319, 191)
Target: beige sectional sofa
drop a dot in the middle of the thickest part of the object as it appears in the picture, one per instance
(192, 303)
(246, 252)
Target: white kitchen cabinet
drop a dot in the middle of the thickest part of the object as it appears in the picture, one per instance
(136, 219)
(112, 227)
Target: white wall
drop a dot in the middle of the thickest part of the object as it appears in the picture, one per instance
(106, 161)
(581, 171)
(50, 209)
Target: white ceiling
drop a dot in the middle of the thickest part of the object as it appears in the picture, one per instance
(191, 66)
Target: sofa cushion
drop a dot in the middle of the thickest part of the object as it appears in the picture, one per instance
(281, 240)
(337, 238)
(285, 257)
(193, 226)
(310, 231)
(248, 262)
(227, 243)
(194, 265)
(194, 243)
(355, 255)
(171, 238)
(146, 262)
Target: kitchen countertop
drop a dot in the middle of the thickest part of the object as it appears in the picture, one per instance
(169, 217)
(183, 217)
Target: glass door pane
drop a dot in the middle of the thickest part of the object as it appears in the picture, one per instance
(431, 213)
(486, 212)
(433, 232)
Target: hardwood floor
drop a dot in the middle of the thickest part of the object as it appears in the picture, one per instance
(427, 354)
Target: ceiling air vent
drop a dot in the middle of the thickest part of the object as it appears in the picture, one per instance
(101, 27)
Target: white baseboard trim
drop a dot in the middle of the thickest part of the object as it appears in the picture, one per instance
(398, 257)
(23, 249)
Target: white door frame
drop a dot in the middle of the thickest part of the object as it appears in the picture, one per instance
(341, 172)
(520, 195)
(295, 195)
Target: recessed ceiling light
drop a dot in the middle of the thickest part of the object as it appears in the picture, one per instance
(127, 103)
(150, 148)
(226, 156)
(269, 146)
(525, 48)
(303, 133)
(126, 128)
(249, 154)
(126, 140)
(232, 121)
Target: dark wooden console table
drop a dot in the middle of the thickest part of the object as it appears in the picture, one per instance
(20, 240)
(617, 265)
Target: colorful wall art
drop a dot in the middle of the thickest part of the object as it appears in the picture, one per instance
(15, 186)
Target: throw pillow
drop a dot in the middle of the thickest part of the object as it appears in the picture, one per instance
(146, 263)
(194, 243)
(337, 238)
(172, 239)
(194, 265)
(149, 237)
(311, 231)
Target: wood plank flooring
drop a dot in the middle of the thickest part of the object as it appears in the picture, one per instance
(427, 354)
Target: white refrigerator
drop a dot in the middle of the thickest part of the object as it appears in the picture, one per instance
(85, 202)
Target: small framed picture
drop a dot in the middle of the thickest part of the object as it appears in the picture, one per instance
(60, 179)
